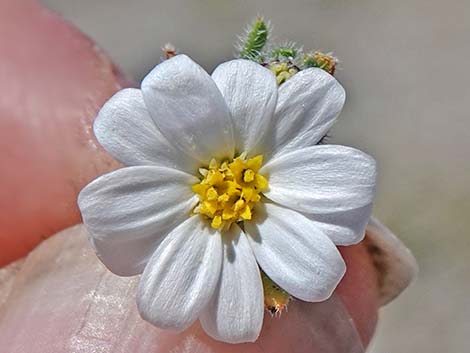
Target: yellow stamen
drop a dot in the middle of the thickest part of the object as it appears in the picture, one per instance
(223, 198)
(213, 164)
(228, 213)
(255, 162)
(214, 177)
(216, 222)
(211, 194)
(261, 182)
(246, 213)
(248, 176)
(228, 190)
(238, 205)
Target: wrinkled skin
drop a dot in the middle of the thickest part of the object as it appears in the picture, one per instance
(53, 82)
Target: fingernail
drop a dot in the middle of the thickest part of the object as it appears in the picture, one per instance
(395, 264)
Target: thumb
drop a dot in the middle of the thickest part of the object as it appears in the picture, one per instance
(53, 81)
(64, 300)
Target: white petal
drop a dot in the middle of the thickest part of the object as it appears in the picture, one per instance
(250, 91)
(125, 256)
(294, 253)
(124, 128)
(127, 212)
(343, 228)
(181, 276)
(308, 105)
(321, 179)
(397, 265)
(189, 109)
(235, 313)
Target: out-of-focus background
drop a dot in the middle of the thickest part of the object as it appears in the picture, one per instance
(404, 67)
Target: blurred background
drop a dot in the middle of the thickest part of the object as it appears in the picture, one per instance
(404, 67)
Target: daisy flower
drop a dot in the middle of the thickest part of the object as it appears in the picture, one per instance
(224, 177)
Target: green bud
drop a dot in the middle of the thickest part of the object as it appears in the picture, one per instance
(254, 41)
(286, 53)
(323, 61)
(275, 298)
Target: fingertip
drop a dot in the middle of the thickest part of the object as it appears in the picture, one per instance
(54, 80)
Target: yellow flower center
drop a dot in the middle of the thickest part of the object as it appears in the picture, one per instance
(228, 190)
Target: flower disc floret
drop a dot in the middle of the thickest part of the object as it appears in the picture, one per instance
(229, 190)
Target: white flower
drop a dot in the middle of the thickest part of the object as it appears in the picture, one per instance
(197, 213)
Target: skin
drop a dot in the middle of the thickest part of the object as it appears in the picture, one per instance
(54, 80)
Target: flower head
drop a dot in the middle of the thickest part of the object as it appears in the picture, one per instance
(224, 177)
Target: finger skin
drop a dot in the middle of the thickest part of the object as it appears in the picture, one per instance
(359, 291)
(53, 81)
(65, 300)
(7, 278)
